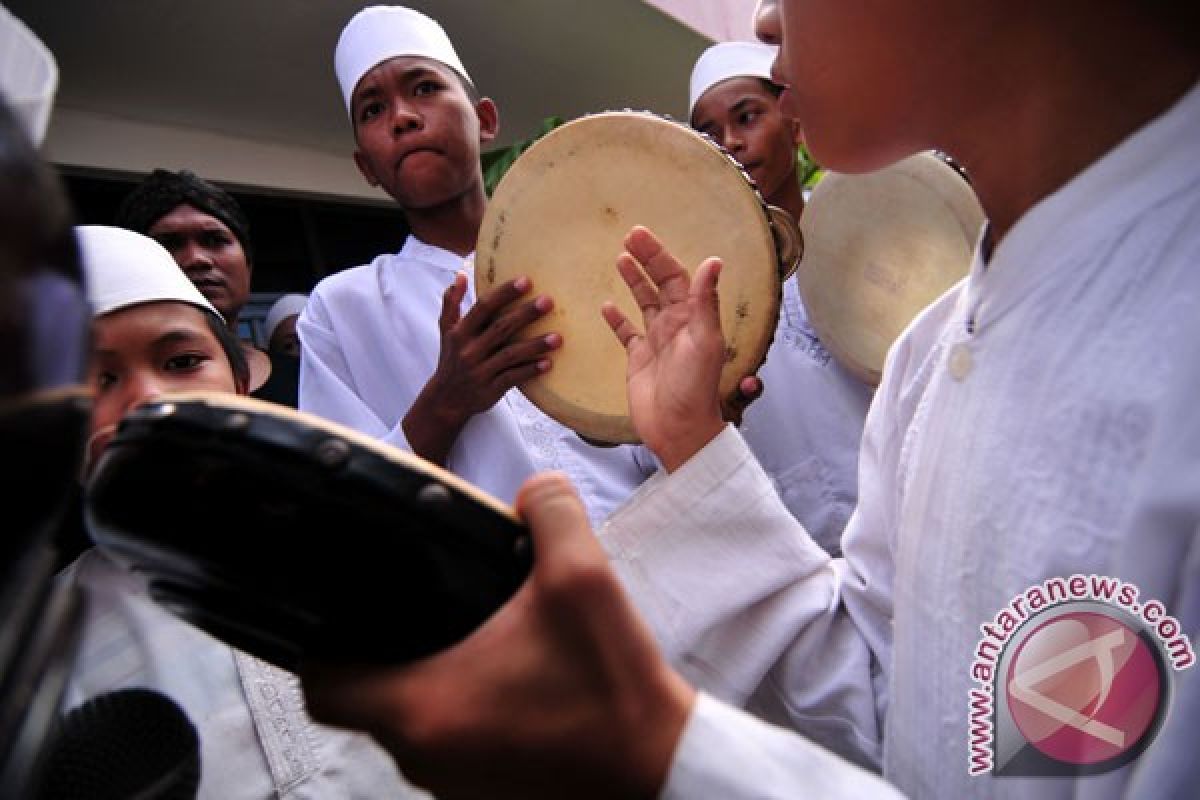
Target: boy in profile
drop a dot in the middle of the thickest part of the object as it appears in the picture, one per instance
(1024, 422)
(387, 348)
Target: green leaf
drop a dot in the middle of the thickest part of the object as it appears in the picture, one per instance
(496, 162)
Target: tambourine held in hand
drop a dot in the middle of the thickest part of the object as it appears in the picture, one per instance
(560, 216)
(296, 539)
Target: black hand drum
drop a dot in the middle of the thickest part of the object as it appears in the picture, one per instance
(293, 538)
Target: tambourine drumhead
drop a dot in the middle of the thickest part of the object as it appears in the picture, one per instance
(560, 216)
(879, 248)
(293, 538)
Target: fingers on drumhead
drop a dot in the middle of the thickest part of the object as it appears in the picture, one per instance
(619, 323)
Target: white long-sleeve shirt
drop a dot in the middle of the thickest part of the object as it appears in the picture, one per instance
(371, 342)
(256, 738)
(991, 461)
(806, 428)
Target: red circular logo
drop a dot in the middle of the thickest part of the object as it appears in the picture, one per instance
(1084, 688)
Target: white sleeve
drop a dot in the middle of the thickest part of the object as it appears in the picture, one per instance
(729, 754)
(746, 605)
(326, 383)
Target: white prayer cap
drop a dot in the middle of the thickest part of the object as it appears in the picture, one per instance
(729, 60)
(289, 305)
(124, 268)
(379, 33)
(28, 75)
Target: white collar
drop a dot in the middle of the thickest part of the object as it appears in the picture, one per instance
(416, 250)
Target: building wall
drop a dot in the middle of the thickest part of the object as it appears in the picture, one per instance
(78, 138)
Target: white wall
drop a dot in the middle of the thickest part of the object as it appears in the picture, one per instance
(88, 139)
(719, 20)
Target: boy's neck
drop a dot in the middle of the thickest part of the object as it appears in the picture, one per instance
(790, 197)
(1067, 102)
(453, 225)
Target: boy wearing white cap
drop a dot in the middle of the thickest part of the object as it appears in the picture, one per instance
(153, 332)
(806, 428)
(387, 349)
(279, 326)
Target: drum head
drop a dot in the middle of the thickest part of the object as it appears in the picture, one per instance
(560, 216)
(879, 248)
(293, 538)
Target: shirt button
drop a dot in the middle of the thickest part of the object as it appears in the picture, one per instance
(960, 362)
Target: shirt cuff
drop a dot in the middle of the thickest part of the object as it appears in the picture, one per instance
(729, 754)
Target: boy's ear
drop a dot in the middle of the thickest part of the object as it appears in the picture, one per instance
(797, 131)
(364, 167)
(489, 119)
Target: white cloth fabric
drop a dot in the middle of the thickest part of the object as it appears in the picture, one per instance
(28, 75)
(990, 462)
(379, 33)
(727, 60)
(256, 739)
(370, 343)
(124, 268)
(806, 428)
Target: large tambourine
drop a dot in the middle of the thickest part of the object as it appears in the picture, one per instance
(295, 539)
(560, 216)
(879, 248)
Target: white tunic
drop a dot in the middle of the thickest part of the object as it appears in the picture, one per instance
(806, 428)
(371, 342)
(990, 461)
(256, 739)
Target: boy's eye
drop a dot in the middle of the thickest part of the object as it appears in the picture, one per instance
(105, 380)
(426, 87)
(748, 117)
(185, 362)
(369, 111)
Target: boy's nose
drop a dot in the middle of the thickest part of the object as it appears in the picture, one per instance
(732, 142)
(140, 389)
(766, 21)
(405, 119)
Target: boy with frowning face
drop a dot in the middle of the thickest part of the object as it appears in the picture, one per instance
(806, 428)
(388, 349)
(1023, 422)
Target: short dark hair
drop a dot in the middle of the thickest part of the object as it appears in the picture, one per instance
(233, 350)
(163, 190)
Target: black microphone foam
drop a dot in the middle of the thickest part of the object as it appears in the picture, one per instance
(131, 744)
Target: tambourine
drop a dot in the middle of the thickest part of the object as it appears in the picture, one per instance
(560, 215)
(879, 248)
(293, 538)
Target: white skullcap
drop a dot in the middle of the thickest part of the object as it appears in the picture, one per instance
(729, 60)
(124, 268)
(287, 306)
(379, 33)
(28, 75)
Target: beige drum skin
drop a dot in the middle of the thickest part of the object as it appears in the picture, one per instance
(560, 216)
(879, 248)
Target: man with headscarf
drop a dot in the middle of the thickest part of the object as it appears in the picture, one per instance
(208, 234)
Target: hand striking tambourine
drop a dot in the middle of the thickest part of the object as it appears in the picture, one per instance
(560, 216)
(879, 248)
(293, 538)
